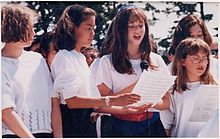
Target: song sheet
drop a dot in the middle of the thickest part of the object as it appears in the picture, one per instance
(152, 86)
(206, 103)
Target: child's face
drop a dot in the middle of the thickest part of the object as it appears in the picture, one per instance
(85, 32)
(196, 32)
(195, 65)
(136, 31)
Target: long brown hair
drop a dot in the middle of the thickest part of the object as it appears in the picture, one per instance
(119, 43)
(190, 46)
(71, 18)
(182, 30)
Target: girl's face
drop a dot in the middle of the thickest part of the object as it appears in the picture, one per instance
(136, 31)
(195, 65)
(85, 32)
(196, 32)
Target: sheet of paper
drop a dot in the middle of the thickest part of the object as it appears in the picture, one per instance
(206, 103)
(152, 86)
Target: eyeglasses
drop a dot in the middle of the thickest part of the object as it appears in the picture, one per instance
(197, 60)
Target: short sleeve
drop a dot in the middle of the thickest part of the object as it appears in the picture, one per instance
(8, 99)
(162, 66)
(104, 72)
(66, 80)
(167, 116)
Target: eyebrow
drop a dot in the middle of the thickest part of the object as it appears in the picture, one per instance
(199, 56)
(90, 25)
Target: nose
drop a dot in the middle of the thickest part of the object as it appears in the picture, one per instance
(93, 33)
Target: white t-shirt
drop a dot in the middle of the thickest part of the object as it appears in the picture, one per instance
(71, 75)
(181, 106)
(116, 81)
(26, 87)
(94, 70)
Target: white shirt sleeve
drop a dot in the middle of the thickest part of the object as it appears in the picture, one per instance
(66, 80)
(8, 99)
(167, 116)
(104, 72)
(162, 66)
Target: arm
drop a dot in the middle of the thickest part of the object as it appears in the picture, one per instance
(164, 103)
(105, 91)
(124, 110)
(14, 123)
(168, 132)
(56, 119)
(86, 102)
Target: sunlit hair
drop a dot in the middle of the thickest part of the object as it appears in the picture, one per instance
(16, 23)
(182, 30)
(71, 18)
(190, 46)
(119, 39)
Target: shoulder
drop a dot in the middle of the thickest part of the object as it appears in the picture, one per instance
(63, 55)
(154, 56)
(156, 59)
(27, 54)
(106, 58)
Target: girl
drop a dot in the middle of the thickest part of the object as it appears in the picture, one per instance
(191, 65)
(26, 99)
(128, 46)
(194, 26)
(75, 29)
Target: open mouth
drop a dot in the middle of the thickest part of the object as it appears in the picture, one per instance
(137, 37)
(200, 69)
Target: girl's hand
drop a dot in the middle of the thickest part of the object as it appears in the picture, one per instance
(124, 99)
(136, 109)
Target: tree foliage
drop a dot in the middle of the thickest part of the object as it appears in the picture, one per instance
(50, 11)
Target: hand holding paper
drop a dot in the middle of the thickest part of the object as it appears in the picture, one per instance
(152, 86)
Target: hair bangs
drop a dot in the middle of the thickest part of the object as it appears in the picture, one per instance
(137, 15)
(198, 47)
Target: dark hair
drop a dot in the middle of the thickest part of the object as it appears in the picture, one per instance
(106, 44)
(47, 44)
(182, 30)
(119, 43)
(71, 18)
(190, 46)
(16, 23)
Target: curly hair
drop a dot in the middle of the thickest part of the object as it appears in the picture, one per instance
(16, 23)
